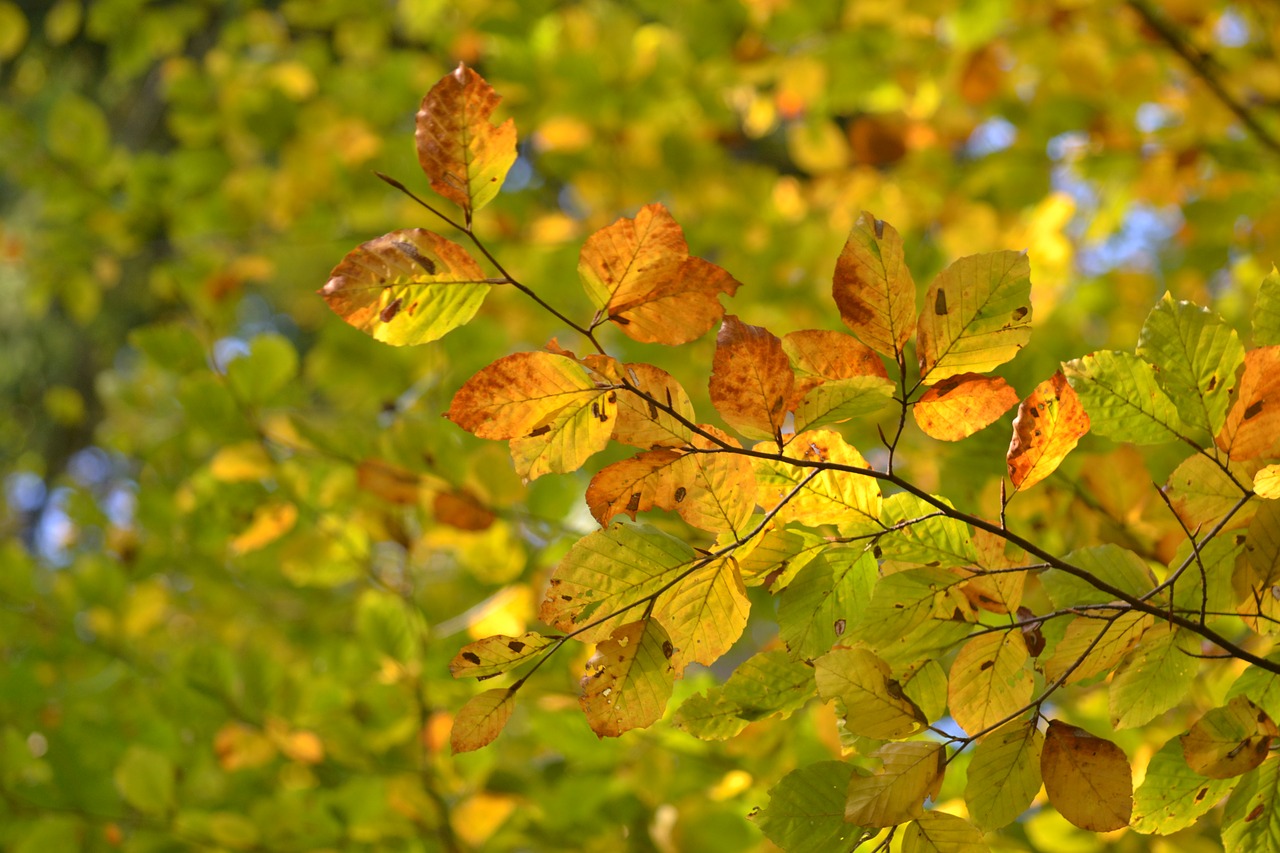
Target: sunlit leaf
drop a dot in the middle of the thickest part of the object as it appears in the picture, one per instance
(990, 680)
(640, 422)
(1120, 567)
(494, 655)
(517, 394)
(1266, 483)
(1229, 741)
(1124, 401)
(406, 287)
(818, 356)
(1172, 796)
(920, 534)
(872, 286)
(1197, 356)
(816, 608)
(1201, 492)
(1266, 312)
(1257, 577)
(1154, 677)
(751, 379)
(1261, 686)
(1253, 421)
(1004, 774)
(628, 680)
(830, 497)
(464, 154)
(482, 719)
(1095, 644)
(805, 813)
(896, 792)
(976, 315)
(1049, 424)
(1251, 820)
(569, 437)
(1087, 778)
(904, 601)
(939, 832)
(778, 556)
(962, 404)
(842, 399)
(704, 613)
(873, 703)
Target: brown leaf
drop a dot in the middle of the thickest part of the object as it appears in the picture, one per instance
(482, 719)
(629, 679)
(751, 379)
(463, 510)
(389, 482)
(462, 152)
(1087, 778)
(960, 405)
(639, 273)
(1049, 424)
(1253, 422)
(873, 288)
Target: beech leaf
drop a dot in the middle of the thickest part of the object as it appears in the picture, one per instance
(1123, 399)
(831, 497)
(628, 680)
(1050, 422)
(939, 832)
(872, 286)
(1172, 796)
(482, 719)
(1004, 774)
(1229, 741)
(1087, 778)
(495, 655)
(874, 704)
(805, 813)
(751, 379)
(960, 405)
(989, 680)
(1252, 427)
(895, 793)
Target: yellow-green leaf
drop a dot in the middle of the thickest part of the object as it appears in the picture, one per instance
(872, 286)
(765, 684)
(1201, 492)
(840, 400)
(1251, 820)
(976, 315)
(990, 680)
(1087, 778)
(911, 773)
(1123, 399)
(1172, 796)
(831, 497)
(1229, 741)
(1095, 644)
(482, 719)
(1266, 483)
(805, 813)
(1004, 774)
(406, 287)
(628, 680)
(145, 779)
(704, 613)
(939, 832)
(815, 610)
(464, 154)
(1156, 676)
(874, 704)
(495, 655)
(568, 438)
(1266, 312)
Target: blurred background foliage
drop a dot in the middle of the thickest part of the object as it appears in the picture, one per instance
(239, 544)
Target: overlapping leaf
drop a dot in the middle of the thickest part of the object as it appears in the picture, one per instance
(765, 684)
(962, 404)
(837, 378)
(830, 497)
(922, 535)
(463, 153)
(990, 680)
(1093, 645)
(628, 680)
(1201, 493)
(1123, 398)
(1251, 820)
(1155, 677)
(805, 813)
(751, 379)
(640, 275)
(1229, 741)
(407, 287)
(641, 423)
(1253, 421)
(1087, 778)
(1004, 774)
(1172, 796)
(873, 703)
(976, 315)
(818, 606)
(904, 601)
(939, 832)
(873, 288)
(1050, 422)
(896, 792)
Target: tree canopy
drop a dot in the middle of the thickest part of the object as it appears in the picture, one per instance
(858, 425)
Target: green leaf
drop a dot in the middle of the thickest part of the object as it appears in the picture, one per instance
(976, 315)
(1111, 563)
(271, 364)
(839, 400)
(1261, 686)
(1212, 571)
(906, 600)
(932, 541)
(1266, 312)
(1004, 774)
(925, 683)
(1251, 820)
(805, 813)
(384, 624)
(778, 556)
(607, 572)
(1229, 741)
(816, 608)
(1198, 356)
(1123, 399)
(939, 832)
(766, 684)
(407, 287)
(1155, 677)
(1172, 796)
(145, 779)
(874, 704)
(629, 679)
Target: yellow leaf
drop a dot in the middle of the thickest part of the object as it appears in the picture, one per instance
(1266, 483)
(463, 153)
(495, 655)
(751, 379)
(238, 463)
(832, 497)
(1087, 778)
(1049, 424)
(480, 815)
(704, 613)
(269, 523)
(939, 832)
(960, 405)
(872, 286)
(482, 719)
(874, 704)
(640, 422)
(976, 316)
(895, 793)
(629, 679)
(1229, 741)
(570, 437)
(989, 680)
(1080, 654)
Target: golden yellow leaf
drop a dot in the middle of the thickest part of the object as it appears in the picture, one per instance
(629, 679)
(832, 497)
(873, 288)
(874, 704)
(1080, 654)
(640, 422)
(1253, 421)
(246, 461)
(704, 613)
(482, 719)
(818, 356)
(989, 680)
(516, 394)
(480, 815)
(1087, 778)
(895, 793)
(751, 379)
(269, 523)
(1049, 424)
(1266, 483)
(495, 655)
(463, 153)
(960, 405)
(1229, 741)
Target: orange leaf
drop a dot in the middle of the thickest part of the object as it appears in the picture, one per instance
(640, 422)
(960, 405)
(1087, 778)
(481, 720)
(462, 152)
(1253, 421)
(636, 485)
(873, 287)
(818, 355)
(514, 396)
(406, 287)
(629, 679)
(639, 273)
(390, 482)
(1049, 424)
(751, 379)
(463, 510)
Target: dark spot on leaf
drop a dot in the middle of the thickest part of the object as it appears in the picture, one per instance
(472, 657)
(1254, 410)
(392, 309)
(680, 493)
(986, 665)
(412, 251)
(839, 626)
(940, 303)
(412, 308)
(877, 552)
(667, 649)
(653, 411)
(1256, 813)
(634, 503)
(1213, 383)
(1020, 312)
(621, 321)
(878, 224)
(1201, 794)
(542, 430)
(566, 598)
(516, 646)
(487, 677)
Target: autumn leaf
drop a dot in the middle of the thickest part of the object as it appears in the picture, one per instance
(960, 405)
(1266, 313)
(463, 153)
(1124, 401)
(482, 719)
(764, 685)
(976, 316)
(872, 286)
(1253, 421)
(1153, 678)
(704, 613)
(1050, 422)
(495, 655)
(1172, 796)
(1251, 819)
(989, 680)
(1087, 778)
(895, 793)
(639, 273)
(1201, 492)
(1004, 774)
(1257, 576)
(751, 379)
(837, 378)
(1094, 645)
(628, 680)
(873, 703)
(815, 608)
(1266, 483)
(939, 832)
(407, 287)
(830, 497)
(641, 423)
(1229, 741)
